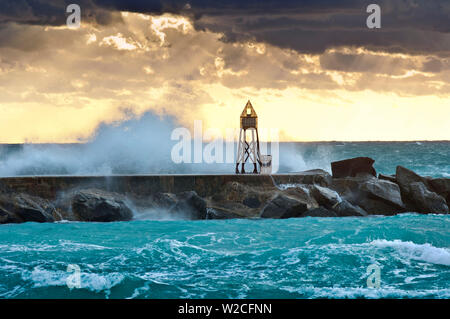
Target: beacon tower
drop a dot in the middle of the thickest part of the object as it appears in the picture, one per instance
(248, 150)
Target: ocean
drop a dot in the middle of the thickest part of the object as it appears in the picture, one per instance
(403, 256)
(293, 258)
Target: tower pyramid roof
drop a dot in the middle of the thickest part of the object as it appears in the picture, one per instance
(252, 112)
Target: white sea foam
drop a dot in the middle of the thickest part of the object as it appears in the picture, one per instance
(64, 245)
(422, 252)
(358, 292)
(91, 281)
(292, 185)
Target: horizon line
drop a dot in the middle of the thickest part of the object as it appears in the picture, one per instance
(330, 141)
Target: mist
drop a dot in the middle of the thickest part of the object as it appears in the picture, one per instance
(140, 145)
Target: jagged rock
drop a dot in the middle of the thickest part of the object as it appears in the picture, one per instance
(302, 194)
(314, 176)
(390, 178)
(244, 200)
(442, 187)
(4, 189)
(405, 177)
(350, 186)
(353, 167)
(191, 204)
(325, 197)
(163, 200)
(319, 212)
(20, 208)
(221, 213)
(427, 201)
(345, 208)
(4, 216)
(375, 196)
(283, 207)
(100, 206)
(252, 202)
(384, 190)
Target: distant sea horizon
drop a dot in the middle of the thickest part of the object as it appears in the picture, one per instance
(114, 155)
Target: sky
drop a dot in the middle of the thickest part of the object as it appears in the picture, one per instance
(312, 69)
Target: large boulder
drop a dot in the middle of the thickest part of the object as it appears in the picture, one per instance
(303, 194)
(384, 191)
(313, 176)
(442, 187)
(353, 167)
(406, 177)
(426, 201)
(239, 200)
(375, 196)
(319, 212)
(163, 200)
(222, 213)
(283, 207)
(325, 197)
(18, 208)
(191, 205)
(345, 208)
(100, 206)
(4, 216)
(390, 178)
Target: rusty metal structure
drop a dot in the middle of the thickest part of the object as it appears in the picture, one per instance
(248, 150)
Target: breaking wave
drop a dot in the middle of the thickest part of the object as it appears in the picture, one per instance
(143, 146)
(294, 258)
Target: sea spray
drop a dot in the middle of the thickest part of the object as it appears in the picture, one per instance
(143, 145)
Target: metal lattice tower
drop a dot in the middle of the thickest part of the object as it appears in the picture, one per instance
(248, 150)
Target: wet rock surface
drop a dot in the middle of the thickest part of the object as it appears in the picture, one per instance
(319, 212)
(190, 204)
(20, 208)
(345, 209)
(100, 206)
(425, 201)
(283, 207)
(353, 167)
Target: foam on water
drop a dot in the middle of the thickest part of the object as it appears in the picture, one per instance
(294, 258)
(424, 252)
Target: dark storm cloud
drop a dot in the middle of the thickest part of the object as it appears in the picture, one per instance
(433, 65)
(52, 12)
(367, 63)
(307, 26)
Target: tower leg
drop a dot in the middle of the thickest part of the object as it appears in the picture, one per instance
(242, 168)
(239, 152)
(255, 170)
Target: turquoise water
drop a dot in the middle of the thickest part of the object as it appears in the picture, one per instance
(294, 258)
